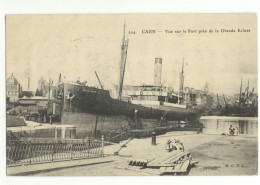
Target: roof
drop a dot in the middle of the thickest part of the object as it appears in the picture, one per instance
(12, 80)
(31, 125)
(34, 98)
(14, 121)
(41, 79)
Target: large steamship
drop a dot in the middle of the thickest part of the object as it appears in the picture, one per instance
(82, 105)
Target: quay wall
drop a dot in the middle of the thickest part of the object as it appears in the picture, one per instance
(85, 123)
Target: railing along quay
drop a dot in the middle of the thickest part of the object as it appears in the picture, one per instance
(31, 153)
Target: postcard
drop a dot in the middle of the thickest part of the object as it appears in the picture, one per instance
(131, 94)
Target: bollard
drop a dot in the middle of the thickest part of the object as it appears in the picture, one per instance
(30, 152)
(153, 138)
(50, 120)
(71, 150)
(102, 146)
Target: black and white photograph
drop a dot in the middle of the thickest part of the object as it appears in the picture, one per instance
(158, 94)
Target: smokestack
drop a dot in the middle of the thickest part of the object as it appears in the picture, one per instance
(28, 83)
(157, 72)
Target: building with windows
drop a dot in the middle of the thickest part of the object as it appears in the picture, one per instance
(13, 89)
(41, 83)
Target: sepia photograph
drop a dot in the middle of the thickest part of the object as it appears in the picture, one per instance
(131, 94)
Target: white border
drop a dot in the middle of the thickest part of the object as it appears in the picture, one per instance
(112, 6)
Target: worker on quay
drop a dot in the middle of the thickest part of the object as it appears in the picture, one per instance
(179, 145)
(168, 146)
(174, 145)
(236, 131)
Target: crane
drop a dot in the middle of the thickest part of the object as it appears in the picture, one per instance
(102, 87)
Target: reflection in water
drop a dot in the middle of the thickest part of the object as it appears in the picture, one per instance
(221, 124)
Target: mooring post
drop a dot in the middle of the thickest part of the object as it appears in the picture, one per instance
(88, 146)
(30, 152)
(109, 138)
(153, 138)
(53, 151)
(71, 150)
(102, 146)
(50, 120)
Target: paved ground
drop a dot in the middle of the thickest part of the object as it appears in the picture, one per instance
(216, 154)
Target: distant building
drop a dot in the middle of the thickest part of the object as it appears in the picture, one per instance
(206, 88)
(193, 96)
(189, 96)
(41, 84)
(13, 89)
(52, 89)
(181, 79)
(36, 100)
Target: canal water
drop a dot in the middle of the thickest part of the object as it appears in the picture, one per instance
(221, 124)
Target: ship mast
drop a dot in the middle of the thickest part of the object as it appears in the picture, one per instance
(247, 92)
(218, 101)
(181, 82)
(240, 93)
(225, 100)
(124, 48)
(182, 71)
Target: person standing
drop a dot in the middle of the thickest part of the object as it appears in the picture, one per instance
(231, 130)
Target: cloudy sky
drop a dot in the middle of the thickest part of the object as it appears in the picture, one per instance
(78, 45)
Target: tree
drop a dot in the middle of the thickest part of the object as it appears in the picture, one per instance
(41, 92)
(28, 94)
(37, 93)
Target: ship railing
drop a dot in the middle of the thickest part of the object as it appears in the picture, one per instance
(31, 153)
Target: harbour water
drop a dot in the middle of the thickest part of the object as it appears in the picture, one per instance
(221, 124)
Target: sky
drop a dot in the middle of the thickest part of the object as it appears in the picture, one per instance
(78, 45)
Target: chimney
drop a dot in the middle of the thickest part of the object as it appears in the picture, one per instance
(157, 72)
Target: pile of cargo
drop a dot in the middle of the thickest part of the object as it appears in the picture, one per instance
(21, 110)
(32, 113)
(14, 121)
(175, 162)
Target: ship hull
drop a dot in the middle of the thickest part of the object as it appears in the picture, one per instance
(90, 108)
(97, 101)
(240, 111)
(236, 111)
(87, 123)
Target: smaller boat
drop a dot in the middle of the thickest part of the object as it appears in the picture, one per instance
(245, 106)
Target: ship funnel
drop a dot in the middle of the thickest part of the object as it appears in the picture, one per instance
(157, 71)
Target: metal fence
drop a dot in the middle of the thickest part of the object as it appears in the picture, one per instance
(30, 153)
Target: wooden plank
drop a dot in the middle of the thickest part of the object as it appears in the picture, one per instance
(172, 157)
(167, 161)
(138, 162)
(165, 156)
(180, 168)
(183, 167)
(166, 169)
(176, 157)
